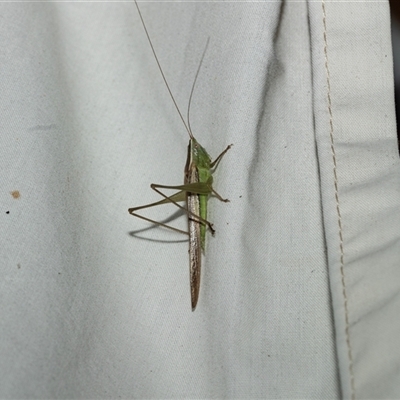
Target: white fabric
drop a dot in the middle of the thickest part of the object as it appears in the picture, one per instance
(300, 285)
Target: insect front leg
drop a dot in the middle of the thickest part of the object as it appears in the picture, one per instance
(215, 163)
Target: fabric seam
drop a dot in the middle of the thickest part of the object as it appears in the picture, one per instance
(339, 216)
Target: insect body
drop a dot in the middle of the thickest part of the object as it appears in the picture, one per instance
(196, 190)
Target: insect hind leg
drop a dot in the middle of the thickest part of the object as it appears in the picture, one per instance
(197, 218)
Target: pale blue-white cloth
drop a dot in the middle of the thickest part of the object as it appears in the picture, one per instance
(300, 294)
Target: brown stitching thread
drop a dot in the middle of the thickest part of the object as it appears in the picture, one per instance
(346, 308)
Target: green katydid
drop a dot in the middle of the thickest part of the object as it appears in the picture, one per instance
(196, 189)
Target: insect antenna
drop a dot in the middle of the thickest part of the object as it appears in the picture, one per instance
(194, 84)
(162, 73)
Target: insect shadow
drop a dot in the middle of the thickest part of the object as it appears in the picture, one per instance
(138, 232)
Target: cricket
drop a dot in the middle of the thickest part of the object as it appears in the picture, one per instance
(195, 191)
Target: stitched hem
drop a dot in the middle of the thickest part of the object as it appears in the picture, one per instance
(339, 216)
